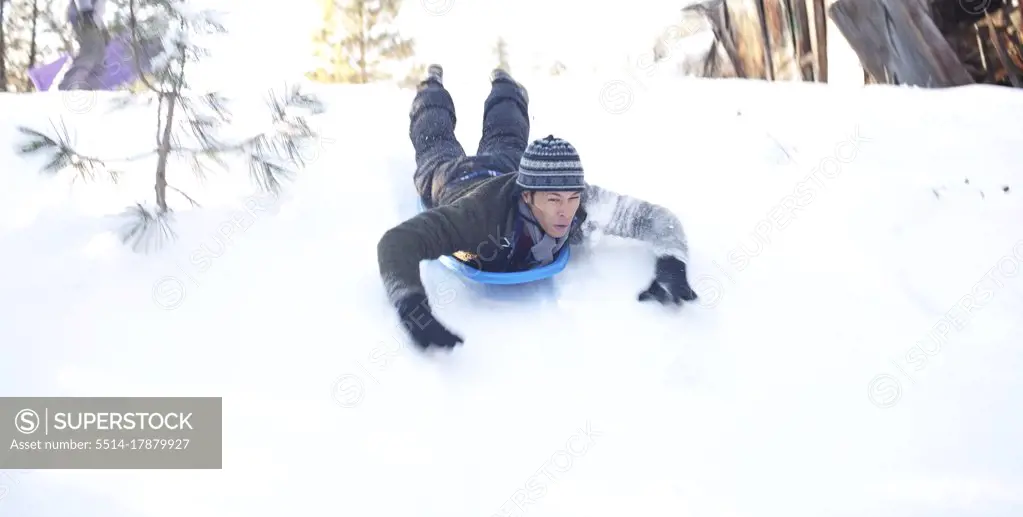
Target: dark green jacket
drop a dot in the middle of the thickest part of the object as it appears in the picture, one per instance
(478, 227)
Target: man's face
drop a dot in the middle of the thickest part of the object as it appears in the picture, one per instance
(554, 210)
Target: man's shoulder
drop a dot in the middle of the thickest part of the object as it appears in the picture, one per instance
(503, 185)
(485, 209)
(484, 205)
(491, 196)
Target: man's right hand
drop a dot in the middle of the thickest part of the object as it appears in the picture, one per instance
(670, 285)
(423, 327)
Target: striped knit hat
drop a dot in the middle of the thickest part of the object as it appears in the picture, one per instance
(550, 164)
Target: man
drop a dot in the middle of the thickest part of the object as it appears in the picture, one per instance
(510, 207)
(86, 72)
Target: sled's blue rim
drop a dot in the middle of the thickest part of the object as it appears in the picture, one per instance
(518, 277)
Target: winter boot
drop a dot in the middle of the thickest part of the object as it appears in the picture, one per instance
(434, 74)
(501, 75)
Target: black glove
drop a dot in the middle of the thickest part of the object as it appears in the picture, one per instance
(422, 326)
(670, 285)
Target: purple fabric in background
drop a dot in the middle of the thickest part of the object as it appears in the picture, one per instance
(118, 64)
(42, 76)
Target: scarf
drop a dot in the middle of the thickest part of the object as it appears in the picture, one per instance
(544, 246)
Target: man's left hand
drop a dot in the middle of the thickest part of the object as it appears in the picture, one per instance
(670, 285)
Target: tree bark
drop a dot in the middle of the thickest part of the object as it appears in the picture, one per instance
(898, 43)
(34, 49)
(820, 32)
(3, 50)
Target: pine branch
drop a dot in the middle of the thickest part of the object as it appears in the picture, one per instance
(199, 159)
(203, 125)
(62, 154)
(193, 202)
(272, 156)
(65, 155)
(265, 153)
(145, 229)
(309, 101)
(218, 104)
(268, 175)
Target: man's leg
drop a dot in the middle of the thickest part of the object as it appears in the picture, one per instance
(505, 122)
(432, 131)
(91, 53)
(97, 77)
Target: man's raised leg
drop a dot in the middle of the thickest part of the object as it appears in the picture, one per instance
(432, 131)
(505, 122)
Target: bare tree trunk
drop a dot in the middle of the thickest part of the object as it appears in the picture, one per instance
(164, 153)
(898, 43)
(820, 47)
(165, 139)
(765, 34)
(34, 49)
(362, 44)
(717, 14)
(3, 50)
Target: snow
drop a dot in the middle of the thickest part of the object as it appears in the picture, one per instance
(855, 352)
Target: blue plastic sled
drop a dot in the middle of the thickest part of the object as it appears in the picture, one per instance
(518, 277)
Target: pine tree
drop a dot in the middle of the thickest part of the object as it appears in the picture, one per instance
(33, 52)
(335, 65)
(19, 43)
(3, 45)
(357, 41)
(186, 125)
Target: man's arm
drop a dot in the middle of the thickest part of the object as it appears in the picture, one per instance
(631, 218)
(429, 235)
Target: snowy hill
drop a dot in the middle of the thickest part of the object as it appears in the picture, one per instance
(855, 352)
